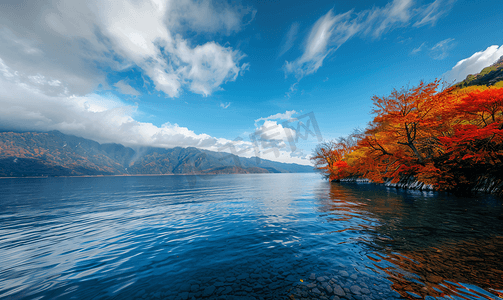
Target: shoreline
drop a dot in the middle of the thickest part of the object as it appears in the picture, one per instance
(483, 185)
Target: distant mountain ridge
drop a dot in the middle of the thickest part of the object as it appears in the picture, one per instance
(57, 154)
(492, 75)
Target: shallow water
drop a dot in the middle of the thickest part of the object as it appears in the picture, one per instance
(270, 236)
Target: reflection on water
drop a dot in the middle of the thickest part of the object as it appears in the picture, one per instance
(428, 244)
(257, 236)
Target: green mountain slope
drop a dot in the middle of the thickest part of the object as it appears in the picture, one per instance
(492, 75)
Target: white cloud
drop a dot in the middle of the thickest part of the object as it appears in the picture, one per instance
(323, 32)
(76, 41)
(272, 140)
(289, 38)
(396, 12)
(26, 107)
(418, 49)
(208, 16)
(208, 66)
(272, 131)
(440, 50)
(331, 31)
(125, 88)
(431, 13)
(287, 115)
(225, 105)
(474, 64)
(101, 118)
(25, 46)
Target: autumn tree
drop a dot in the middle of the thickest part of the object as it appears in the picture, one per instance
(402, 138)
(330, 157)
(475, 147)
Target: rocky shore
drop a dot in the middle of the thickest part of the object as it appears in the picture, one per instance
(342, 285)
(484, 185)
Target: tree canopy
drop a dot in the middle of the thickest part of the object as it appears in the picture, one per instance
(450, 138)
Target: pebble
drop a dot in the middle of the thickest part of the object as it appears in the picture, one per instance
(338, 284)
(208, 291)
(329, 289)
(184, 295)
(338, 290)
(194, 288)
(355, 289)
(185, 287)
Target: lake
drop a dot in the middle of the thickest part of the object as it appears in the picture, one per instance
(254, 236)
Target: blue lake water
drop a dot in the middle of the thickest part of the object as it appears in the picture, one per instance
(256, 236)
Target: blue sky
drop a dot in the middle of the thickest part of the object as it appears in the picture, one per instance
(212, 74)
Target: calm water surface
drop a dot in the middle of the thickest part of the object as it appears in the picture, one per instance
(269, 236)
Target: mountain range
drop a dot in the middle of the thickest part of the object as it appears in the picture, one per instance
(56, 154)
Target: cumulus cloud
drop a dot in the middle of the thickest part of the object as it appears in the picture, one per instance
(271, 140)
(101, 118)
(333, 30)
(274, 141)
(272, 131)
(474, 64)
(287, 115)
(276, 137)
(75, 42)
(105, 118)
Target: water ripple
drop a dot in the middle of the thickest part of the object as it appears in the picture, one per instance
(272, 236)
